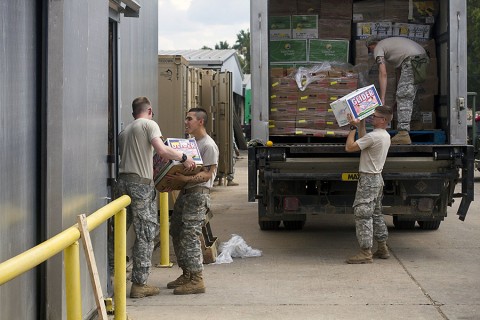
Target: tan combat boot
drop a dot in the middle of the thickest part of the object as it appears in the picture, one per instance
(364, 256)
(382, 251)
(231, 183)
(402, 137)
(143, 290)
(195, 285)
(184, 278)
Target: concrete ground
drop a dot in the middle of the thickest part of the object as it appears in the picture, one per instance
(302, 274)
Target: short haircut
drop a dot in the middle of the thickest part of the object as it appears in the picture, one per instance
(139, 105)
(372, 40)
(385, 111)
(200, 113)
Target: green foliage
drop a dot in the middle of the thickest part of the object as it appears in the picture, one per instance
(242, 45)
(473, 45)
(222, 45)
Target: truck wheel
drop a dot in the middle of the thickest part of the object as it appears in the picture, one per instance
(269, 225)
(429, 225)
(403, 225)
(293, 225)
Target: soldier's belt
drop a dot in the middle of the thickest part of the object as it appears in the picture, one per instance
(196, 190)
(135, 178)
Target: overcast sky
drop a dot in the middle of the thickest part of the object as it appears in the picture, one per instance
(192, 24)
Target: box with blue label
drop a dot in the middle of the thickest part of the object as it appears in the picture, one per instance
(360, 104)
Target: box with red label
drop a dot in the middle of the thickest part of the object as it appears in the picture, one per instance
(360, 104)
(283, 85)
(282, 127)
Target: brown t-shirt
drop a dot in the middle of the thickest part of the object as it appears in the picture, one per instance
(135, 147)
(397, 49)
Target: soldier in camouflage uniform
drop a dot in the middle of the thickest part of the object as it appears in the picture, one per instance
(398, 51)
(136, 144)
(367, 207)
(191, 207)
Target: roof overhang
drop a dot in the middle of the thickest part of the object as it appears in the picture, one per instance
(129, 8)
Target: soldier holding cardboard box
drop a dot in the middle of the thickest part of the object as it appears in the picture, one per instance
(412, 60)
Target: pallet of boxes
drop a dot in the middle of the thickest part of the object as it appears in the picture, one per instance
(318, 55)
(309, 55)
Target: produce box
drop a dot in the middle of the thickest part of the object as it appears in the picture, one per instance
(305, 27)
(360, 104)
(288, 51)
(280, 27)
(412, 31)
(328, 50)
(367, 29)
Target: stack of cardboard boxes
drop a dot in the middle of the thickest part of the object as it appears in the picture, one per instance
(308, 37)
(395, 18)
(305, 33)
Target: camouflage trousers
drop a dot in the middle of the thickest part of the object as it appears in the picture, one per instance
(405, 95)
(186, 228)
(367, 208)
(143, 214)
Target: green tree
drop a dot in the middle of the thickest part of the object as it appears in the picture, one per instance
(222, 45)
(242, 45)
(473, 45)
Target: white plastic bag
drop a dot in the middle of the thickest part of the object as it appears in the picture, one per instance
(236, 247)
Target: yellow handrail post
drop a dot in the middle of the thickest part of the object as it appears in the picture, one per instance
(164, 231)
(73, 288)
(120, 265)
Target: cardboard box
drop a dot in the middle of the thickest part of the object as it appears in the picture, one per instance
(283, 7)
(283, 84)
(360, 104)
(305, 27)
(425, 11)
(293, 50)
(379, 28)
(412, 31)
(280, 27)
(334, 29)
(341, 10)
(368, 10)
(321, 50)
(396, 10)
(163, 167)
(279, 71)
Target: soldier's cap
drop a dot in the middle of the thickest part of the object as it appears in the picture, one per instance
(372, 40)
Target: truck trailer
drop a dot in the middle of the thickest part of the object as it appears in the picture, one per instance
(303, 171)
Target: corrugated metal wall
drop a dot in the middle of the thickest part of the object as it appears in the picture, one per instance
(18, 150)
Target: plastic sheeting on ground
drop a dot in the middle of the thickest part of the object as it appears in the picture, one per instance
(236, 247)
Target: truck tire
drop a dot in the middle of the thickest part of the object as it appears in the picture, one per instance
(293, 225)
(402, 224)
(429, 225)
(269, 225)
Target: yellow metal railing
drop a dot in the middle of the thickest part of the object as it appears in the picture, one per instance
(68, 241)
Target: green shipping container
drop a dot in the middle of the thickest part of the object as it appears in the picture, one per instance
(328, 50)
(288, 51)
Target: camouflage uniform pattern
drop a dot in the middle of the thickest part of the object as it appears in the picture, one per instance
(186, 224)
(142, 213)
(367, 209)
(405, 96)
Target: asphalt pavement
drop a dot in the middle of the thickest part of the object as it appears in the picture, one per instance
(303, 275)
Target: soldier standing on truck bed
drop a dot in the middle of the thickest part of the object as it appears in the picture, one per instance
(411, 59)
(367, 207)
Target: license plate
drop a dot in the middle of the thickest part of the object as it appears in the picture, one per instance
(350, 176)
